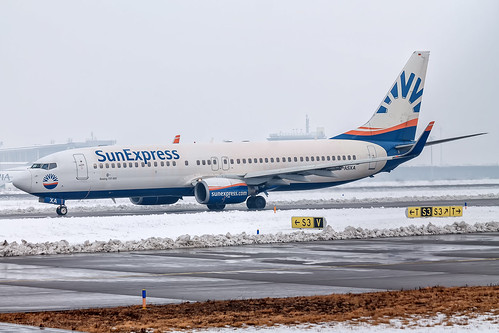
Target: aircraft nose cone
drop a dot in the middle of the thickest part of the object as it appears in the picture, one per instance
(22, 181)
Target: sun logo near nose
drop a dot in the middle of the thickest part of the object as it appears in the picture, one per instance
(50, 181)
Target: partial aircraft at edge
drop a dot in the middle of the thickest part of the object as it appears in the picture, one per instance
(217, 174)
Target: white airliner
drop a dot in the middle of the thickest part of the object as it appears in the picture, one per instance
(230, 173)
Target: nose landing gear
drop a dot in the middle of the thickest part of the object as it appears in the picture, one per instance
(61, 210)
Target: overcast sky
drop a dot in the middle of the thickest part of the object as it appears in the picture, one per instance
(143, 71)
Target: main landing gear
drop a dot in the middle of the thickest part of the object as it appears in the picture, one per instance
(62, 210)
(256, 202)
(216, 207)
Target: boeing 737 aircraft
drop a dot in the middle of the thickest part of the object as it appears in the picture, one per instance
(231, 173)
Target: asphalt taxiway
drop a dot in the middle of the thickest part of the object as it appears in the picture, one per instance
(276, 270)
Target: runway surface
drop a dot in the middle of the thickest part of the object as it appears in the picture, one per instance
(278, 270)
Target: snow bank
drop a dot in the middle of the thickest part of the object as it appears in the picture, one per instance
(186, 241)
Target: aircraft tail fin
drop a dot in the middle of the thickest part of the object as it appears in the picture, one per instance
(396, 118)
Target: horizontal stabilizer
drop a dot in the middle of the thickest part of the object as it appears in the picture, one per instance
(436, 142)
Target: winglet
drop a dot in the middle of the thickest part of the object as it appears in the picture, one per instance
(176, 139)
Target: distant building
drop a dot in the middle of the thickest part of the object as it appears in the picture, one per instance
(15, 157)
(299, 135)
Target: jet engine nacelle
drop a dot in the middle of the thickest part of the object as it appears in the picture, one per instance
(211, 191)
(165, 200)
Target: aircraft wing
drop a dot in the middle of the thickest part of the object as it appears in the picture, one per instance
(279, 176)
(299, 173)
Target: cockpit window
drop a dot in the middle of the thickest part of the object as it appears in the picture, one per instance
(45, 166)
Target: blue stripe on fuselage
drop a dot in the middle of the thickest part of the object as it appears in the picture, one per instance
(179, 192)
(77, 195)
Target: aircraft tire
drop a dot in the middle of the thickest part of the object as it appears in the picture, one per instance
(216, 207)
(260, 202)
(250, 203)
(62, 210)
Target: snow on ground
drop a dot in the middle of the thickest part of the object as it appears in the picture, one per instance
(480, 323)
(204, 228)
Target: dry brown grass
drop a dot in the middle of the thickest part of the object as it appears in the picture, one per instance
(375, 308)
